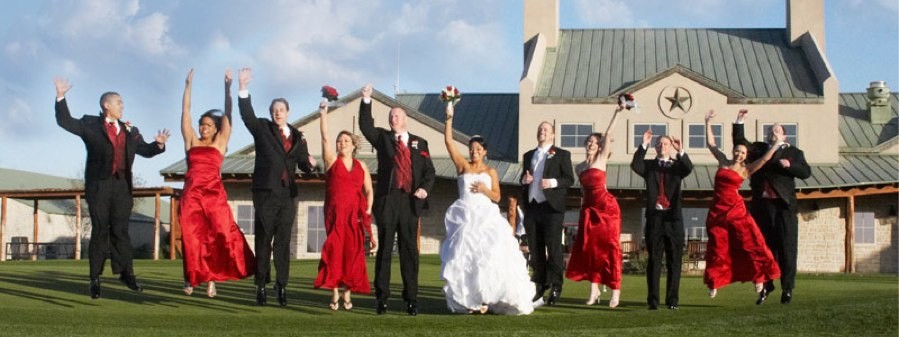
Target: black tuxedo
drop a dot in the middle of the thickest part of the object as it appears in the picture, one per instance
(664, 228)
(543, 220)
(274, 190)
(108, 195)
(776, 217)
(397, 212)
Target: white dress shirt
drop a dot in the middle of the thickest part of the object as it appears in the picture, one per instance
(538, 164)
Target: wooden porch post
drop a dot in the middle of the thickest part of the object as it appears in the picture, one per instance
(850, 234)
(2, 229)
(78, 225)
(156, 229)
(173, 203)
(34, 238)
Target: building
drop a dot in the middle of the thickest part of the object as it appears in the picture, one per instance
(572, 78)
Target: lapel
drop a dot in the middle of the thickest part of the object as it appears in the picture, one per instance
(413, 158)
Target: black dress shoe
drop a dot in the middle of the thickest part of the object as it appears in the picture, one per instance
(282, 294)
(673, 307)
(261, 299)
(130, 281)
(787, 296)
(763, 295)
(412, 308)
(653, 307)
(554, 295)
(95, 288)
(381, 307)
(539, 293)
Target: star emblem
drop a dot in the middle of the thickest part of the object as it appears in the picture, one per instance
(677, 101)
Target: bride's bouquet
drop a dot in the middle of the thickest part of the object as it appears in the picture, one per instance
(450, 94)
(329, 93)
(628, 101)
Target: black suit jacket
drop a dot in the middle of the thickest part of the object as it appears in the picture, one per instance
(271, 160)
(649, 170)
(92, 131)
(557, 166)
(384, 141)
(782, 179)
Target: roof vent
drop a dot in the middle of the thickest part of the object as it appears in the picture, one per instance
(879, 102)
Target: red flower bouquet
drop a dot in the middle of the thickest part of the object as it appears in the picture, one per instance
(450, 94)
(330, 93)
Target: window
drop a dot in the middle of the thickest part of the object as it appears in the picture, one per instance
(864, 227)
(694, 223)
(245, 218)
(574, 135)
(696, 136)
(657, 130)
(790, 130)
(315, 229)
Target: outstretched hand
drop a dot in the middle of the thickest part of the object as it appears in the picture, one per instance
(244, 76)
(62, 86)
(675, 142)
(710, 115)
(162, 136)
(742, 114)
(190, 77)
(647, 136)
(366, 91)
(323, 107)
(229, 77)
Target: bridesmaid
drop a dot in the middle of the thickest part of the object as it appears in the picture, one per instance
(736, 251)
(596, 255)
(213, 246)
(348, 203)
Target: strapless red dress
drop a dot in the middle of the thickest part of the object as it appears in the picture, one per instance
(596, 255)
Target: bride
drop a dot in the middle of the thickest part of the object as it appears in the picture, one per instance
(480, 259)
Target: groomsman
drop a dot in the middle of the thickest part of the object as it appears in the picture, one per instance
(774, 203)
(664, 230)
(111, 146)
(545, 182)
(280, 150)
(405, 177)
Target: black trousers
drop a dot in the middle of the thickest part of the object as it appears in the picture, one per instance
(397, 219)
(276, 214)
(778, 223)
(109, 204)
(664, 233)
(543, 225)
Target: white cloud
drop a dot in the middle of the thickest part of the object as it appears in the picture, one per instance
(605, 13)
(17, 116)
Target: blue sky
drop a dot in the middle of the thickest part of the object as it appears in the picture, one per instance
(143, 50)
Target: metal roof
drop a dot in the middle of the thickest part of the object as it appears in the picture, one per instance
(493, 116)
(852, 170)
(857, 134)
(741, 63)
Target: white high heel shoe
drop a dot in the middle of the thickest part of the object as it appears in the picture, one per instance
(616, 294)
(594, 296)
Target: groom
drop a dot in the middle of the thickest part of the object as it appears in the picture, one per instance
(111, 146)
(545, 182)
(405, 176)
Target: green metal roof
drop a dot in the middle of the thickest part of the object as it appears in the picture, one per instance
(742, 63)
(857, 134)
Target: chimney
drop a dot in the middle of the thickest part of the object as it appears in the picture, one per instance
(542, 17)
(805, 16)
(879, 110)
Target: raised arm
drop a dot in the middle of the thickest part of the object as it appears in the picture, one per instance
(458, 159)
(366, 122)
(244, 103)
(637, 163)
(225, 132)
(738, 133)
(758, 163)
(187, 128)
(607, 138)
(710, 139)
(63, 116)
(328, 153)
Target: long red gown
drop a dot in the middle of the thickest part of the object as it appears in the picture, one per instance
(343, 254)
(214, 247)
(596, 255)
(736, 250)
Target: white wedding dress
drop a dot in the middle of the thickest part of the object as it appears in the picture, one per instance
(480, 259)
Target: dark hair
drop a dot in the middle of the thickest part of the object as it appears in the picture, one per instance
(742, 142)
(271, 107)
(105, 96)
(216, 116)
(597, 135)
(353, 138)
(478, 139)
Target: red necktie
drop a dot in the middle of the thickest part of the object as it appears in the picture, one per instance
(402, 167)
(662, 201)
(112, 134)
(285, 141)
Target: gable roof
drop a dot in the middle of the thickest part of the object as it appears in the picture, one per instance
(748, 64)
(493, 116)
(857, 134)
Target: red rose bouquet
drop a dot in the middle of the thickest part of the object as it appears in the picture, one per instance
(330, 93)
(450, 94)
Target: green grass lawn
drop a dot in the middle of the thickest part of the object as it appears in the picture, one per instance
(49, 298)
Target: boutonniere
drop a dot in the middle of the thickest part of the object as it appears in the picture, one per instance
(303, 138)
(425, 154)
(552, 153)
(128, 126)
(415, 144)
